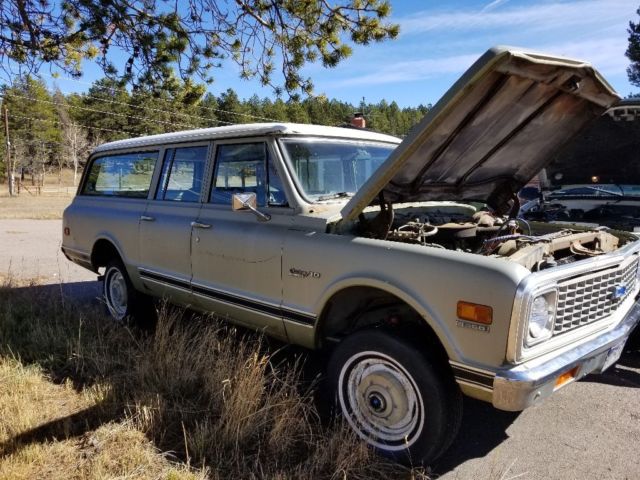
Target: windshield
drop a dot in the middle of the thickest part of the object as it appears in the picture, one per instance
(596, 190)
(329, 169)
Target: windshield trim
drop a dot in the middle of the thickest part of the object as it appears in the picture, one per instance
(313, 138)
(599, 190)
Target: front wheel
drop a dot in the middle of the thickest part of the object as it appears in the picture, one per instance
(123, 302)
(399, 399)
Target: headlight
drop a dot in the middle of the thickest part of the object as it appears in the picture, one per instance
(541, 316)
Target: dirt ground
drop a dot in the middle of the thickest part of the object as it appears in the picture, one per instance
(588, 430)
(30, 249)
(48, 202)
(33, 207)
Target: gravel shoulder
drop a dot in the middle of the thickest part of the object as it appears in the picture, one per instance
(588, 430)
(30, 250)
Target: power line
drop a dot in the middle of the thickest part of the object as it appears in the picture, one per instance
(119, 89)
(123, 115)
(36, 143)
(370, 114)
(13, 115)
(131, 105)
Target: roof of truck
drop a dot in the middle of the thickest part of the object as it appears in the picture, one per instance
(247, 130)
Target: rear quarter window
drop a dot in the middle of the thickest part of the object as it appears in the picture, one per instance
(121, 175)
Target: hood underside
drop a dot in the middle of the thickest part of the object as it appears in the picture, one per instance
(606, 152)
(491, 133)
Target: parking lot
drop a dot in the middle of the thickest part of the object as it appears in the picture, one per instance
(590, 429)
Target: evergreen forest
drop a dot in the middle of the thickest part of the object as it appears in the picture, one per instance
(50, 129)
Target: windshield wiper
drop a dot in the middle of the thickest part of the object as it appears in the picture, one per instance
(333, 196)
(609, 192)
(572, 193)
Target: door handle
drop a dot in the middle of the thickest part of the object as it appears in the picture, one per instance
(145, 218)
(200, 225)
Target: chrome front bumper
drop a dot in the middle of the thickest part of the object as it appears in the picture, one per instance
(529, 383)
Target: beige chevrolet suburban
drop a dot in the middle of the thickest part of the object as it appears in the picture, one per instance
(405, 261)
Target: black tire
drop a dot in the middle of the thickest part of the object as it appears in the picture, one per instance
(123, 302)
(401, 400)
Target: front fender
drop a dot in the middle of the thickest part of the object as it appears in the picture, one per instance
(416, 303)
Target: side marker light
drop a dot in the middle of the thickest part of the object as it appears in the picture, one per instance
(474, 312)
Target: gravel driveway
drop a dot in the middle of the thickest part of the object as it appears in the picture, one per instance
(589, 430)
(30, 249)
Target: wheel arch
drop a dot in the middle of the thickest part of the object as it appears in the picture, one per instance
(103, 250)
(341, 313)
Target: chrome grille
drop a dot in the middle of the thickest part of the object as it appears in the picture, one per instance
(590, 298)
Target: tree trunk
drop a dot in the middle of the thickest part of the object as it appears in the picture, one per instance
(11, 178)
(75, 170)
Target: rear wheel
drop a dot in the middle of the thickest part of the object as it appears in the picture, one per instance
(399, 399)
(123, 302)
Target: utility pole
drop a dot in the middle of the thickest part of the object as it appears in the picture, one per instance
(10, 179)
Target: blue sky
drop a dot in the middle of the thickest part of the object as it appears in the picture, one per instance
(439, 40)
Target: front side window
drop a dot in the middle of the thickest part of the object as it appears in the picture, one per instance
(123, 175)
(246, 167)
(334, 168)
(182, 173)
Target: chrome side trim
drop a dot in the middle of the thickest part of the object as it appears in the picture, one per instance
(246, 303)
(78, 257)
(474, 385)
(472, 376)
(165, 280)
(77, 253)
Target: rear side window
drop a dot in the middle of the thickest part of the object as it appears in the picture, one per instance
(182, 174)
(124, 175)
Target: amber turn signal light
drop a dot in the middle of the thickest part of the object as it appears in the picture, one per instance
(566, 377)
(475, 312)
(67, 231)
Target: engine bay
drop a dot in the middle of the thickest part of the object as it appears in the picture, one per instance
(454, 226)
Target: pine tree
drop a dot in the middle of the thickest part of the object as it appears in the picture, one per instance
(254, 108)
(276, 111)
(633, 52)
(103, 110)
(296, 113)
(231, 109)
(265, 39)
(208, 108)
(33, 125)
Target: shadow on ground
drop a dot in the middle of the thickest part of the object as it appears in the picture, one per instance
(483, 429)
(70, 426)
(74, 425)
(623, 374)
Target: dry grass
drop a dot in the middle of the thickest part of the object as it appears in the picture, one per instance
(80, 398)
(41, 207)
(56, 196)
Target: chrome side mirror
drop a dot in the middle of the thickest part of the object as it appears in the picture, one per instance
(248, 201)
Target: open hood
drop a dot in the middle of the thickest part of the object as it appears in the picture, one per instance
(493, 131)
(606, 152)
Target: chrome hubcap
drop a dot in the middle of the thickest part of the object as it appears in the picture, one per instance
(115, 293)
(381, 401)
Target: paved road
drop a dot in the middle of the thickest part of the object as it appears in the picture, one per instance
(589, 430)
(30, 249)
